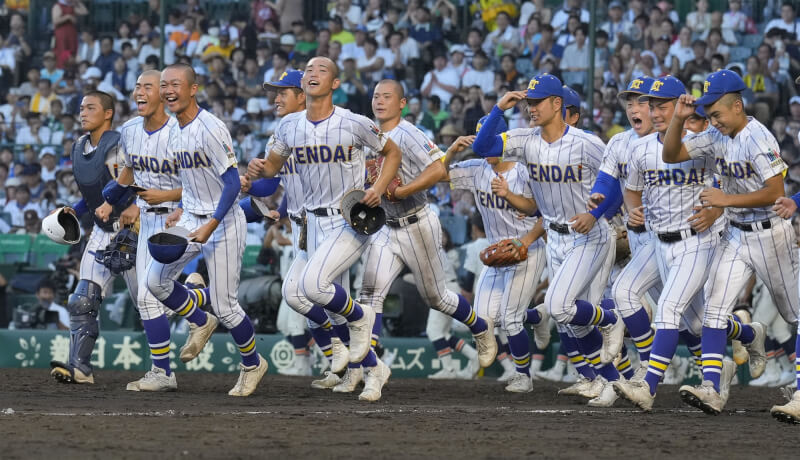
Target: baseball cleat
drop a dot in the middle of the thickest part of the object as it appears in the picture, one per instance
(341, 355)
(470, 371)
(520, 383)
(769, 377)
(361, 335)
(156, 379)
(607, 396)
(249, 378)
(301, 366)
(350, 381)
(194, 281)
(758, 355)
(486, 345)
(703, 397)
(508, 370)
(789, 412)
(63, 373)
(541, 331)
(639, 373)
(637, 392)
(578, 388)
(328, 381)
(375, 380)
(740, 355)
(198, 337)
(592, 391)
(449, 369)
(613, 336)
(571, 376)
(726, 378)
(555, 373)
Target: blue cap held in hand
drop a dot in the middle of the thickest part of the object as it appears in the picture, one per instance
(544, 85)
(719, 84)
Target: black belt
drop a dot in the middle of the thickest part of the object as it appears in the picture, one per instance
(560, 228)
(201, 216)
(674, 237)
(765, 225)
(402, 221)
(636, 228)
(325, 212)
(159, 210)
(297, 219)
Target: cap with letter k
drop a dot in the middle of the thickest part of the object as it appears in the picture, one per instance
(667, 87)
(544, 85)
(719, 84)
(288, 79)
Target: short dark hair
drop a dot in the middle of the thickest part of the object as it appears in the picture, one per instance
(583, 28)
(106, 101)
(46, 283)
(191, 76)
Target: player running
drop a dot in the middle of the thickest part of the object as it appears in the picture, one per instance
(503, 293)
(757, 241)
(95, 162)
(562, 164)
(201, 146)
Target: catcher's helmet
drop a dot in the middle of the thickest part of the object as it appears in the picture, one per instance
(120, 254)
(168, 246)
(62, 227)
(364, 219)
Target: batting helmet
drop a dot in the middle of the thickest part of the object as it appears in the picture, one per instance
(120, 254)
(168, 246)
(62, 227)
(364, 219)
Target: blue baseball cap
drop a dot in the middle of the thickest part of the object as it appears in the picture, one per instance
(544, 85)
(699, 111)
(719, 84)
(288, 79)
(640, 86)
(501, 127)
(667, 87)
(571, 97)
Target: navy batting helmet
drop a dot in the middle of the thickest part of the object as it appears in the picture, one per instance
(120, 254)
(364, 219)
(168, 246)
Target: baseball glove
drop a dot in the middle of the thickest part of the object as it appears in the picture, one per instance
(120, 254)
(302, 242)
(504, 253)
(623, 248)
(374, 170)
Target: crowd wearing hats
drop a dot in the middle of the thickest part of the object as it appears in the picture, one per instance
(454, 59)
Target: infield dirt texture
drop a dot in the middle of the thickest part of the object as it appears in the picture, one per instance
(416, 418)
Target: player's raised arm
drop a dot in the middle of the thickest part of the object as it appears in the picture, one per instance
(487, 143)
(674, 150)
(458, 146)
(522, 204)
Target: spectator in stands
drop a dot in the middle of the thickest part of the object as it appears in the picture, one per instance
(441, 80)
(788, 22)
(567, 36)
(715, 44)
(529, 8)
(370, 65)
(794, 108)
(105, 62)
(22, 202)
(547, 47)
(699, 65)
(50, 71)
(47, 159)
(280, 64)
(89, 47)
(40, 102)
(572, 8)
(434, 109)
(353, 86)
(338, 32)
(576, 58)
(119, 77)
(474, 43)
(224, 48)
(763, 88)
(478, 73)
(734, 19)
(424, 31)
(33, 133)
(350, 14)
(46, 294)
(457, 62)
(504, 38)
(458, 111)
(3, 178)
(17, 41)
(699, 20)
(65, 15)
(32, 176)
(29, 88)
(617, 27)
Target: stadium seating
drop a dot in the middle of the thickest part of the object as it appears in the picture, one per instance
(14, 248)
(45, 251)
(250, 256)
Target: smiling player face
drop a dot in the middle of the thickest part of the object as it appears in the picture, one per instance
(319, 78)
(542, 111)
(289, 100)
(176, 90)
(146, 95)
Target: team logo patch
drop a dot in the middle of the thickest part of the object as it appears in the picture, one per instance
(375, 129)
(636, 84)
(657, 85)
(430, 147)
(533, 83)
(706, 85)
(228, 151)
(774, 158)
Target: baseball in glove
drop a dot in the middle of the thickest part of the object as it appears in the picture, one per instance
(504, 253)
(373, 171)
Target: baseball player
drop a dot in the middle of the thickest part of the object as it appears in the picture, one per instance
(684, 240)
(757, 241)
(562, 163)
(146, 164)
(327, 143)
(95, 162)
(290, 98)
(201, 146)
(503, 294)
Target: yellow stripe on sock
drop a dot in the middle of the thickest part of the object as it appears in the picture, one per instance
(471, 318)
(327, 325)
(698, 352)
(576, 359)
(200, 296)
(624, 365)
(159, 351)
(598, 315)
(348, 308)
(186, 310)
(658, 365)
(594, 361)
(523, 361)
(249, 346)
(644, 343)
(327, 352)
(712, 363)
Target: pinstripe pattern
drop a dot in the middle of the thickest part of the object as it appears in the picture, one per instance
(617, 155)
(149, 306)
(146, 153)
(638, 277)
(326, 177)
(96, 272)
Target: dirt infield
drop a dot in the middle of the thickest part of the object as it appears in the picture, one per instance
(416, 418)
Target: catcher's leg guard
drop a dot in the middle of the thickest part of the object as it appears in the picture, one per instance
(83, 307)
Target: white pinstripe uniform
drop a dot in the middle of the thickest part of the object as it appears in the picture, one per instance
(417, 243)
(503, 293)
(640, 275)
(146, 154)
(329, 158)
(744, 163)
(562, 175)
(202, 150)
(90, 268)
(672, 190)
